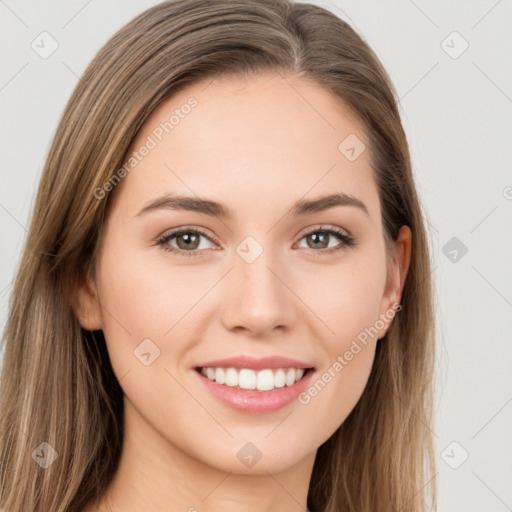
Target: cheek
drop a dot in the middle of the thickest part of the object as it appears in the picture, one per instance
(347, 298)
(147, 309)
(149, 298)
(351, 312)
(336, 389)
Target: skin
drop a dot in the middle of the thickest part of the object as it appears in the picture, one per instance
(258, 146)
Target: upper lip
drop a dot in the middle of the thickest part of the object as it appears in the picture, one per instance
(255, 363)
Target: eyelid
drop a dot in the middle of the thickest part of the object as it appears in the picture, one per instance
(322, 227)
(171, 233)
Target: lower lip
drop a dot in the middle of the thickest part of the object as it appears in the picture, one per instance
(254, 401)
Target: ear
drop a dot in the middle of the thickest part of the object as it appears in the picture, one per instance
(88, 308)
(396, 279)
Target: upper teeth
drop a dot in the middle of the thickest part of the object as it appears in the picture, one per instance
(263, 380)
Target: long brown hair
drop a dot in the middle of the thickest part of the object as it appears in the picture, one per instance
(58, 386)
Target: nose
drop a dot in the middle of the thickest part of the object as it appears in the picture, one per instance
(259, 299)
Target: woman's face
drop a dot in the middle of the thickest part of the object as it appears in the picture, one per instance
(252, 276)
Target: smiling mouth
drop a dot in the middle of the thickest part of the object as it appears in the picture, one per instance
(247, 379)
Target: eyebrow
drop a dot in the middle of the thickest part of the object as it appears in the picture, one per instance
(214, 208)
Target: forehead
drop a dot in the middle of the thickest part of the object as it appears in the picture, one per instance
(249, 142)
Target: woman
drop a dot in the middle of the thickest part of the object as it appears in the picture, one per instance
(217, 306)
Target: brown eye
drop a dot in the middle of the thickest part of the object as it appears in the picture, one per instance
(318, 240)
(185, 242)
(324, 240)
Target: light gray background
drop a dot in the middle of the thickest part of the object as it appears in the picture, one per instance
(457, 113)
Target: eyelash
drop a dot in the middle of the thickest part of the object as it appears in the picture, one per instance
(346, 240)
